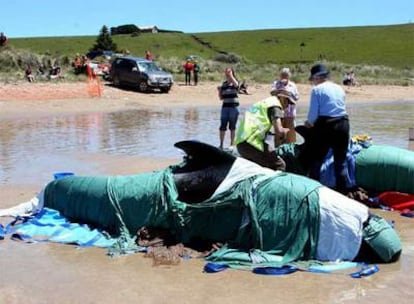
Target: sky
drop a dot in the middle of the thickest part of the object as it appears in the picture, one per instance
(43, 18)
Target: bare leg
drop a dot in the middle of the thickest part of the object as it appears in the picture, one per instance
(222, 133)
(289, 122)
(232, 136)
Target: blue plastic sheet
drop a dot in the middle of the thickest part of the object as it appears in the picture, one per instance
(49, 225)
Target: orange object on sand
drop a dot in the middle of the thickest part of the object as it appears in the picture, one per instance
(94, 86)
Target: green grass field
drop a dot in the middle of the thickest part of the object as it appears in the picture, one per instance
(391, 46)
(377, 53)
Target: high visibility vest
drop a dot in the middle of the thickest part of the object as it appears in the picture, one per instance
(256, 123)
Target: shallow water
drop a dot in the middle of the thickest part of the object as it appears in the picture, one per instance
(32, 149)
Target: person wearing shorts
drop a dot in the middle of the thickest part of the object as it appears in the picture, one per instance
(228, 94)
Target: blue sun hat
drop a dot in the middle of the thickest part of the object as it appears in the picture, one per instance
(319, 70)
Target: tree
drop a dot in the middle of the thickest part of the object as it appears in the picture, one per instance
(104, 41)
(124, 29)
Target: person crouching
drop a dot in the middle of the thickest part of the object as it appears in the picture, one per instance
(255, 127)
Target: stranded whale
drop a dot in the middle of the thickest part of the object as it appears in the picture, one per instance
(213, 196)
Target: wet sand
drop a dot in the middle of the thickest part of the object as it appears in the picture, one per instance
(55, 273)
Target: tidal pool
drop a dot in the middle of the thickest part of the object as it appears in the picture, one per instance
(31, 148)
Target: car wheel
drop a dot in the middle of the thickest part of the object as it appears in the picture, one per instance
(165, 90)
(116, 81)
(143, 86)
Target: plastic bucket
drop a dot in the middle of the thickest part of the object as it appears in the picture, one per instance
(58, 175)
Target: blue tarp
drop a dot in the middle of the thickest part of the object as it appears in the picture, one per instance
(49, 225)
(327, 173)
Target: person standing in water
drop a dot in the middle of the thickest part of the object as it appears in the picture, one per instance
(228, 94)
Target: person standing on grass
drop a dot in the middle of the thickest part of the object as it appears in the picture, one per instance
(286, 87)
(329, 126)
(228, 94)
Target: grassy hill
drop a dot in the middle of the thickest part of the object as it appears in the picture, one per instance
(166, 45)
(372, 51)
(391, 46)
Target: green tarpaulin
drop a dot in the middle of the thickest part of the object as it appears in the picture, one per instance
(278, 215)
(385, 168)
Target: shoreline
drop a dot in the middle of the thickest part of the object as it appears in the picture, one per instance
(45, 98)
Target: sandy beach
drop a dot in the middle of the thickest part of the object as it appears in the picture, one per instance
(54, 273)
(24, 98)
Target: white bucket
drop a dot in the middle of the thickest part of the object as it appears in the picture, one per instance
(411, 133)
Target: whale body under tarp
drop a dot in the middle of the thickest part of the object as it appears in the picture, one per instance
(377, 168)
(213, 196)
(123, 204)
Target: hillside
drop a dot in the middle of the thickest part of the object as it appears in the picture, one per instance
(391, 46)
(374, 51)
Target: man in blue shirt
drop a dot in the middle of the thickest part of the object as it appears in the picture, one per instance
(328, 120)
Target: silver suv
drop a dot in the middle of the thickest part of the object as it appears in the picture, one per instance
(140, 73)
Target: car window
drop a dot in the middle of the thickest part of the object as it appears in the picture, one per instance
(124, 64)
(130, 65)
(120, 63)
(148, 67)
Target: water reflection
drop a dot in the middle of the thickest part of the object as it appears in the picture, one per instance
(29, 145)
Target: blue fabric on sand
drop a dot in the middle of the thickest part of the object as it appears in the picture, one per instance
(49, 225)
(327, 174)
(2, 232)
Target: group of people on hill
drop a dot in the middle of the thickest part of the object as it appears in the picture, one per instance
(55, 72)
(79, 63)
(327, 122)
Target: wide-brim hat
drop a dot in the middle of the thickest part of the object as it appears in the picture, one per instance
(287, 96)
(318, 70)
(382, 238)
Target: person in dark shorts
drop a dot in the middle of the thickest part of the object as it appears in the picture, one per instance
(228, 94)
